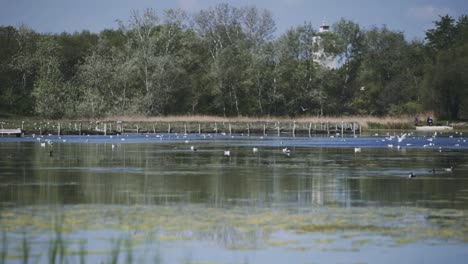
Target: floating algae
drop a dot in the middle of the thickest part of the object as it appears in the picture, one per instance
(236, 228)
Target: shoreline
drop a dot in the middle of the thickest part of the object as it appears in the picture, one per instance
(214, 124)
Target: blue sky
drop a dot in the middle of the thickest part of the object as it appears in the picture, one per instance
(412, 17)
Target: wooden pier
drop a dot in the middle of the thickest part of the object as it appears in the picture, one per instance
(17, 132)
(262, 128)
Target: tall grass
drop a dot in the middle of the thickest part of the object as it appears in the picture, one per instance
(4, 250)
(115, 251)
(25, 248)
(314, 119)
(82, 251)
(57, 244)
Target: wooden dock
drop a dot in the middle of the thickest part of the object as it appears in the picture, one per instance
(263, 128)
(433, 128)
(17, 132)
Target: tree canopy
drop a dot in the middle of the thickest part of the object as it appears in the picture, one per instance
(229, 61)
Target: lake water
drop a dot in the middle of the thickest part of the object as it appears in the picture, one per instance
(150, 198)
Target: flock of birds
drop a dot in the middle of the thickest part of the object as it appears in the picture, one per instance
(430, 140)
(390, 139)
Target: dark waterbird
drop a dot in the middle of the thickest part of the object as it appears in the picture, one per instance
(412, 175)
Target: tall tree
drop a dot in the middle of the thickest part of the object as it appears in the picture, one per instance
(297, 70)
(445, 84)
(51, 92)
(221, 29)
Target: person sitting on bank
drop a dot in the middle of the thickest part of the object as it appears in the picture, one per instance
(429, 121)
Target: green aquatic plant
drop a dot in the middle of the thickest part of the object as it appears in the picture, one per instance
(141, 230)
(82, 251)
(25, 248)
(4, 252)
(128, 250)
(57, 245)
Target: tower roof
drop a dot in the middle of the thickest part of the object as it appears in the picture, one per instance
(324, 27)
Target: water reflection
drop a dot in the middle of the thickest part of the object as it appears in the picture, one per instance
(323, 196)
(160, 173)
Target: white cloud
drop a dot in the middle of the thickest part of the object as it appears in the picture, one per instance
(428, 12)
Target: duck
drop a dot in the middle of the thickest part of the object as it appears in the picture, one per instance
(357, 150)
(193, 148)
(287, 151)
(449, 169)
(227, 153)
(254, 150)
(411, 175)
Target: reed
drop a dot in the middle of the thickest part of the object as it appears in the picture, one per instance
(25, 248)
(82, 251)
(214, 124)
(57, 246)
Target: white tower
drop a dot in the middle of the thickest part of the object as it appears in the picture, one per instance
(320, 56)
(324, 27)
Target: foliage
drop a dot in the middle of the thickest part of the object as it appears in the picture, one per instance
(226, 61)
(446, 82)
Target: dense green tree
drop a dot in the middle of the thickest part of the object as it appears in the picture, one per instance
(51, 93)
(382, 74)
(350, 49)
(8, 80)
(227, 61)
(445, 77)
(296, 71)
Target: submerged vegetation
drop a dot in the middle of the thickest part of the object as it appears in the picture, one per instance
(228, 61)
(131, 231)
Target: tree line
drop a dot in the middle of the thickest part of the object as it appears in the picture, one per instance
(229, 61)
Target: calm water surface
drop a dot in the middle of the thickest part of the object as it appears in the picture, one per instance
(151, 199)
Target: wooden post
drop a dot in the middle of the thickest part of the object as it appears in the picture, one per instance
(354, 130)
(185, 128)
(230, 129)
(168, 128)
(248, 129)
(105, 129)
(79, 127)
(58, 129)
(138, 129)
(310, 129)
(264, 129)
(216, 128)
(279, 129)
(342, 129)
(199, 128)
(328, 128)
(154, 128)
(22, 125)
(294, 129)
(360, 130)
